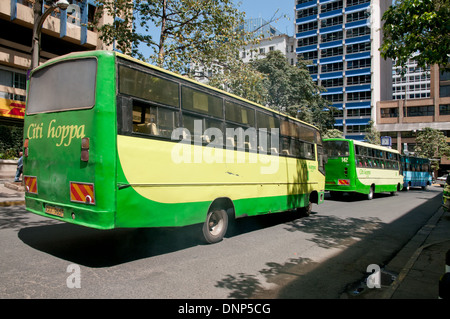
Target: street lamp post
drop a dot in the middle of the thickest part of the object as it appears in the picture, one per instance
(37, 27)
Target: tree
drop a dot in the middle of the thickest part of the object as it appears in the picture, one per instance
(431, 143)
(417, 26)
(190, 31)
(290, 89)
(333, 133)
(372, 135)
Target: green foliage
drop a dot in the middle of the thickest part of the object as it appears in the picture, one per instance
(10, 141)
(372, 135)
(203, 32)
(417, 26)
(332, 133)
(431, 143)
(290, 89)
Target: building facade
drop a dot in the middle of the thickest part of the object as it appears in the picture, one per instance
(271, 40)
(340, 39)
(62, 32)
(402, 118)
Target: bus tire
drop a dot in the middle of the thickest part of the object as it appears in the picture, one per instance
(305, 211)
(215, 226)
(371, 191)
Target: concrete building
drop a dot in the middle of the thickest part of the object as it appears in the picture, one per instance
(62, 33)
(414, 84)
(341, 41)
(272, 40)
(401, 119)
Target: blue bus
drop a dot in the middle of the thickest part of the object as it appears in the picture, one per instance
(416, 172)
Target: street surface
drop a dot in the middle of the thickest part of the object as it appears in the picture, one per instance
(272, 256)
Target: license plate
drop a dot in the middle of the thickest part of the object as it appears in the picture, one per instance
(55, 211)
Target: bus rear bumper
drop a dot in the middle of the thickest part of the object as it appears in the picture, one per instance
(84, 216)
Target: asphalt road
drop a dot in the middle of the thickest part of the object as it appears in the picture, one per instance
(271, 256)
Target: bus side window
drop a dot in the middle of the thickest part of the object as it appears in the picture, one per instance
(154, 121)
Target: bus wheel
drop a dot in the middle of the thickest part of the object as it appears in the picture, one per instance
(305, 211)
(371, 191)
(215, 226)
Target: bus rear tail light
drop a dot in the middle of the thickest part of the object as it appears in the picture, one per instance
(25, 147)
(85, 149)
(30, 184)
(82, 193)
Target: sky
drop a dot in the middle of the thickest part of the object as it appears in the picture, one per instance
(266, 9)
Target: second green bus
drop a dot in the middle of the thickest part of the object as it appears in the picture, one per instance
(358, 167)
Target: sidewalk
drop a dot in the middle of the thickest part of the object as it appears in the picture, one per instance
(11, 193)
(419, 264)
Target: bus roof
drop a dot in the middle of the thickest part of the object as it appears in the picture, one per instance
(127, 57)
(378, 147)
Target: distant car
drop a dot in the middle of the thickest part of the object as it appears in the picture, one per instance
(441, 180)
(446, 195)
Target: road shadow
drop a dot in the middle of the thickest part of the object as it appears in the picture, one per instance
(359, 242)
(105, 248)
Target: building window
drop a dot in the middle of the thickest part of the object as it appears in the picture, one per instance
(334, 97)
(331, 21)
(309, 55)
(332, 67)
(444, 90)
(15, 80)
(419, 111)
(358, 47)
(356, 2)
(444, 109)
(357, 128)
(307, 41)
(358, 112)
(332, 83)
(358, 96)
(331, 36)
(361, 79)
(338, 113)
(389, 112)
(331, 52)
(356, 16)
(306, 12)
(357, 32)
(307, 27)
(356, 64)
(331, 6)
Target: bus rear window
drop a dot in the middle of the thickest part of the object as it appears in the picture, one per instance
(66, 85)
(336, 148)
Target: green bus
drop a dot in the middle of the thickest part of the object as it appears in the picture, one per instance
(113, 142)
(357, 167)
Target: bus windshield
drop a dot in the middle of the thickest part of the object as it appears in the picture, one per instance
(66, 85)
(336, 148)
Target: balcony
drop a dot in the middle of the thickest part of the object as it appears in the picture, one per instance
(70, 25)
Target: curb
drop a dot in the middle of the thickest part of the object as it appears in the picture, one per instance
(425, 232)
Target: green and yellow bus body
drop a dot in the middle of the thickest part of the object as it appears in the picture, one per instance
(112, 142)
(357, 167)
